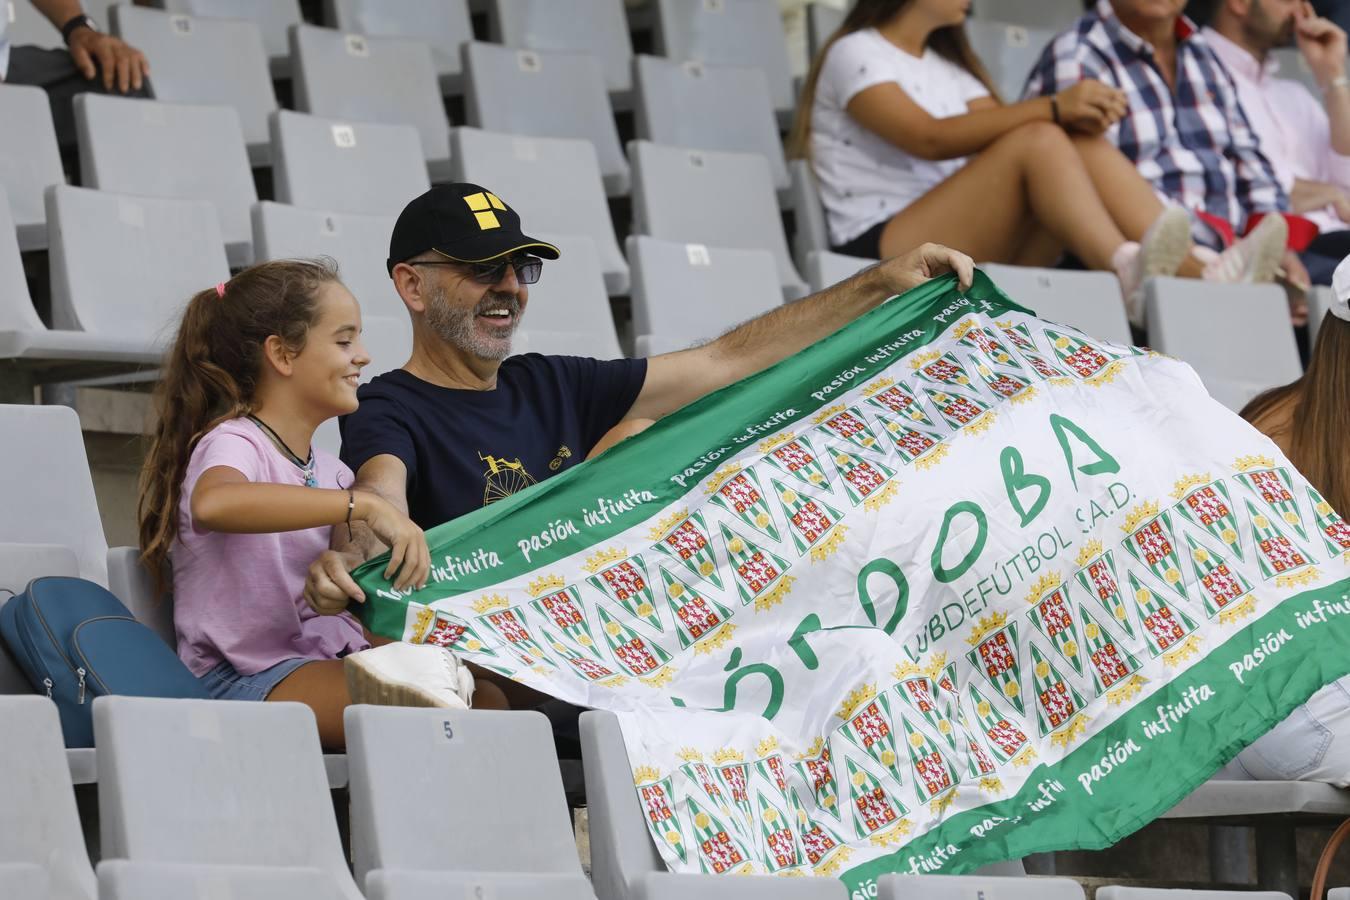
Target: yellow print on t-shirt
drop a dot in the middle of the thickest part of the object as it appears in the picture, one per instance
(503, 478)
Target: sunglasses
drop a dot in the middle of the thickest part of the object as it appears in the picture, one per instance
(527, 269)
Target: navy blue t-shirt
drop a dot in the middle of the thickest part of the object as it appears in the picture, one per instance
(465, 449)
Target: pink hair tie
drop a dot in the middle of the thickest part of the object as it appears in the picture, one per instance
(220, 290)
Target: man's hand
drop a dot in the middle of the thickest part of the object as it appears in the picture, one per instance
(121, 63)
(1322, 44)
(329, 586)
(925, 262)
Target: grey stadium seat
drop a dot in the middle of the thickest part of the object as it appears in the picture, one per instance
(170, 150)
(624, 860)
(708, 107)
(372, 79)
(1320, 299)
(1237, 337)
(1055, 15)
(120, 879)
(570, 297)
(709, 197)
(821, 23)
(39, 824)
(342, 166)
(1008, 51)
(808, 210)
(691, 293)
(24, 880)
(554, 183)
(597, 27)
(356, 242)
(489, 795)
(442, 24)
(1089, 301)
(125, 266)
(29, 160)
(411, 884)
(205, 782)
(1339, 894)
(541, 94)
(733, 33)
(996, 882)
(216, 62)
(1119, 892)
(388, 340)
(274, 19)
(824, 268)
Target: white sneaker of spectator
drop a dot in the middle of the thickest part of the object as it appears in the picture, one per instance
(402, 674)
(1161, 251)
(1253, 260)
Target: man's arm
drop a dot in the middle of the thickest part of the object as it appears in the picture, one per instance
(121, 63)
(676, 379)
(1307, 196)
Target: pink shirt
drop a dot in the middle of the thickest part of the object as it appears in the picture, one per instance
(240, 597)
(1290, 122)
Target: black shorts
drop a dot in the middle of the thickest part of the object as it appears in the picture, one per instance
(867, 244)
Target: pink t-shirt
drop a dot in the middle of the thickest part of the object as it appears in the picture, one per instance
(240, 597)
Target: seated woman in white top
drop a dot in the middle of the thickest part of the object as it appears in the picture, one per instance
(909, 143)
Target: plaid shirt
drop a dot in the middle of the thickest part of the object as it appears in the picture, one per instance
(1195, 145)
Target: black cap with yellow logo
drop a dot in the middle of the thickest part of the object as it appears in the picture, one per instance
(462, 222)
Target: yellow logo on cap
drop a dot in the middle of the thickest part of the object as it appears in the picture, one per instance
(483, 203)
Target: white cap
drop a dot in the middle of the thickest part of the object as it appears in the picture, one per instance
(1340, 287)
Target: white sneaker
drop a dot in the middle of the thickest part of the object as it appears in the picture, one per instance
(402, 674)
(1256, 258)
(1161, 251)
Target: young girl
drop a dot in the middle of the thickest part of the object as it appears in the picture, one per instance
(237, 501)
(910, 143)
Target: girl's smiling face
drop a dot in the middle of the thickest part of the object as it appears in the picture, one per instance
(326, 372)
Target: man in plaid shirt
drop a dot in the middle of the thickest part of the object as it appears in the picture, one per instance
(1185, 130)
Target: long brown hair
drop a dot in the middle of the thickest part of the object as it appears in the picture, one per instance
(1320, 419)
(950, 43)
(211, 375)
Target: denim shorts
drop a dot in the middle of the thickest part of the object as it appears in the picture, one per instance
(1313, 744)
(224, 683)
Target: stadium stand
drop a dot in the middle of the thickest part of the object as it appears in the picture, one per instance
(691, 293)
(811, 233)
(120, 879)
(170, 150)
(274, 19)
(995, 886)
(387, 80)
(441, 24)
(207, 783)
(824, 268)
(1319, 304)
(554, 183)
(29, 160)
(211, 62)
(569, 299)
(1089, 301)
(1008, 51)
(713, 198)
(595, 27)
(356, 167)
(1238, 363)
(542, 94)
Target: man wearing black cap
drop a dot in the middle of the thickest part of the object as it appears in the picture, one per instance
(462, 425)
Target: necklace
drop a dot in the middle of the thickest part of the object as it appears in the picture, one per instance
(306, 466)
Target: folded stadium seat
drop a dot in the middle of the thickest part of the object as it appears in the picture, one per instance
(173, 150)
(824, 268)
(821, 23)
(689, 293)
(274, 19)
(357, 243)
(387, 80)
(442, 24)
(554, 183)
(206, 61)
(541, 94)
(120, 879)
(340, 166)
(388, 340)
(1056, 15)
(995, 882)
(732, 33)
(597, 27)
(713, 198)
(709, 107)
(39, 823)
(487, 799)
(1319, 304)
(570, 299)
(1009, 52)
(216, 783)
(1237, 337)
(29, 160)
(1089, 301)
(410, 884)
(811, 232)
(624, 860)
(1119, 892)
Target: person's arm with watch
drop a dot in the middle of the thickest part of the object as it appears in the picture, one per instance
(123, 67)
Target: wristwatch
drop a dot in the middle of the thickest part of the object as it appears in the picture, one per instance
(75, 23)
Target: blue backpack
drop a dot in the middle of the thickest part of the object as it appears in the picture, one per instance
(75, 641)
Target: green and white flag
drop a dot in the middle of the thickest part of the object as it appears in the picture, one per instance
(909, 600)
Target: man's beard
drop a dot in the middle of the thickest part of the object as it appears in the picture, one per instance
(457, 326)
